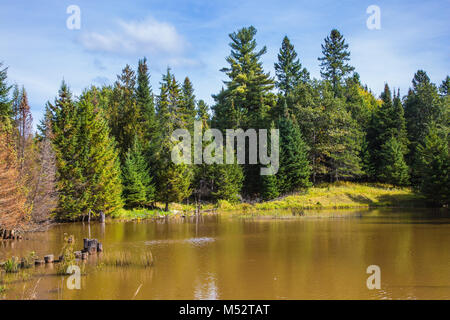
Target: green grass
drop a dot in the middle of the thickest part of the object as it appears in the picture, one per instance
(137, 214)
(127, 259)
(342, 195)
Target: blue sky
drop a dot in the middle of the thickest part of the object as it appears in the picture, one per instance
(192, 37)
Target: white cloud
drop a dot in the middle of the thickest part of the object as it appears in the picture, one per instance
(137, 37)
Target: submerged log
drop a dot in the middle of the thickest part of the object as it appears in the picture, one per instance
(39, 262)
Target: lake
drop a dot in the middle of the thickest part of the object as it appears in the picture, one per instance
(315, 256)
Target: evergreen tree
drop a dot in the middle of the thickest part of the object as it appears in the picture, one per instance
(288, 69)
(173, 180)
(434, 168)
(248, 85)
(138, 190)
(443, 89)
(334, 66)
(5, 105)
(99, 158)
(145, 104)
(65, 124)
(387, 122)
(294, 171)
(124, 115)
(188, 110)
(393, 166)
(422, 108)
(269, 187)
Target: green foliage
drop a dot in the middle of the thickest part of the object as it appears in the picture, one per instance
(423, 106)
(11, 265)
(138, 189)
(334, 66)
(288, 69)
(387, 123)
(434, 168)
(88, 171)
(294, 171)
(394, 169)
(228, 180)
(269, 187)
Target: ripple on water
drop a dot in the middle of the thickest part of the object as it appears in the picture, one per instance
(193, 241)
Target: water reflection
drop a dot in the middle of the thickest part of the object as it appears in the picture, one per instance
(223, 257)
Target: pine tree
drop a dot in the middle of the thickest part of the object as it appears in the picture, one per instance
(334, 66)
(138, 190)
(288, 69)
(248, 85)
(394, 169)
(434, 168)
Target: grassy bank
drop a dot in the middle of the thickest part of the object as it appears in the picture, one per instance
(337, 196)
(343, 195)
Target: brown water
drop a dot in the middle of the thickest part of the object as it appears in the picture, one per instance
(224, 257)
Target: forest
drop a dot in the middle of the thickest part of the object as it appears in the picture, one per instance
(110, 147)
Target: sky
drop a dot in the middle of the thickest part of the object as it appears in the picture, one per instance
(192, 38)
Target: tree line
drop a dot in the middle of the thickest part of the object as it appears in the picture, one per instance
(111, 146)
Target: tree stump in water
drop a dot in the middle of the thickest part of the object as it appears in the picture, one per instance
(85, 244)
(48, 258)
(38, 262)
(102, 217)
(99, 247)
(84, 256)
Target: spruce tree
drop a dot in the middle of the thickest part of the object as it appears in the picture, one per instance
(434, 167)
(99, 158)
(173, 180)
(145, 104)
(124, 115)
(288, 69)
(294, 171)
(65, 124)
(138, 189)
(422, 108)
(394, 169)
(334, 66)
(269, 187)
(188, 105)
